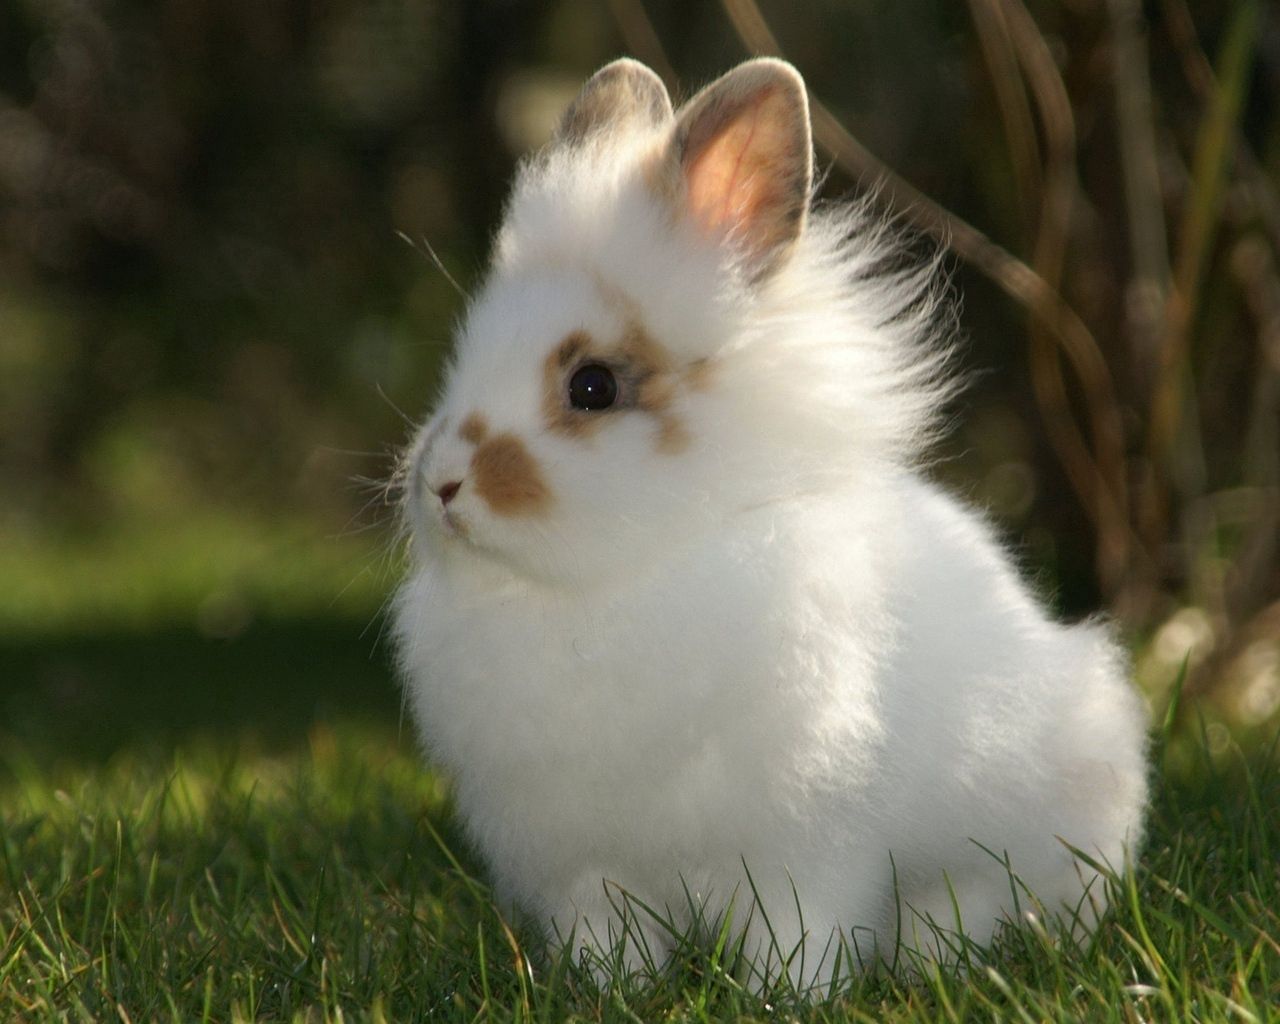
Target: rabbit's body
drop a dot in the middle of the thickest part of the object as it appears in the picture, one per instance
(720, 625)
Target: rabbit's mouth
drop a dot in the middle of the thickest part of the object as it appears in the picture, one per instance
(454, 524)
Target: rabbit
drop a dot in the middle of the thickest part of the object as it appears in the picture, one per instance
(685, 620)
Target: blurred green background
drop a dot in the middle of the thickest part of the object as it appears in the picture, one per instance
(212, 340)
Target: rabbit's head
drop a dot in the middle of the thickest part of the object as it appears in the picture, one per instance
(665, 339)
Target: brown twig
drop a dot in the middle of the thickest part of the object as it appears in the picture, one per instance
(1246, 583)
(1011, 99)
(1053, 106)
(1147, 291)
(1148, 288)
(1199, 73)
(1175, 441)
(1200, 221)
(1102, 493)
(1254, 266)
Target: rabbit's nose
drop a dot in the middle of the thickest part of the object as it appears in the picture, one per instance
(447, 492)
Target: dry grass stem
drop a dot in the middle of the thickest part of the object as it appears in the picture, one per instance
(1174, 526)
(1099, 483)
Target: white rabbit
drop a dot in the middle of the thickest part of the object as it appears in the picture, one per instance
(684, 619)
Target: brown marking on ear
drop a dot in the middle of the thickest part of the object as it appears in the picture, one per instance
(508, 477)
(473, 429)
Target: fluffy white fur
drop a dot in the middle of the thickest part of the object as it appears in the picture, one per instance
(781, 647)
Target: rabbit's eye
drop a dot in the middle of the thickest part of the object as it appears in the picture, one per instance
(593, 387)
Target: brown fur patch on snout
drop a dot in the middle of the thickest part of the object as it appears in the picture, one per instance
(648, 382)
(473, 429)
(507, 476)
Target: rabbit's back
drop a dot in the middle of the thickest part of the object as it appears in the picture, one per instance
(1013, 734)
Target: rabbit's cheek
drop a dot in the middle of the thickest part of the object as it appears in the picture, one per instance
(420, 497)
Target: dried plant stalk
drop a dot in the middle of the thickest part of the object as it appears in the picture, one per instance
(1162, 295)
(1011, 99)
(1148, 288)
(1100, 484)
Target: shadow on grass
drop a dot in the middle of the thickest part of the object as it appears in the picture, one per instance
(85, 697)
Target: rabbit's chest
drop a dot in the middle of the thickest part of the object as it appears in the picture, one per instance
(573, 677)
(712, 693)
(658, 680)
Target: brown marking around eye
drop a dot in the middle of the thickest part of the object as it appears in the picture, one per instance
(697, 374)
(473, 429)
(562, 418)
(673, 437)
(508, 477)
(573, 349)
(656, 381)
(650, 366)
(648, 381)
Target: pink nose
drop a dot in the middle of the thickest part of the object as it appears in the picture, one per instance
(447, 492)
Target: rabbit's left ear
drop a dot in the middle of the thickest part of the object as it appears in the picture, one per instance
(741, 161)
(622, 94)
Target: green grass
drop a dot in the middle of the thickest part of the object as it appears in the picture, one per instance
(316, 874)
(209, 568)
(222, 815)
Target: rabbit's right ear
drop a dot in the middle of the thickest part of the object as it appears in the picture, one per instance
(740, 162)
(623, 94)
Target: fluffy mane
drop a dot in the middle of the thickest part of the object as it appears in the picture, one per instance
(843, 351)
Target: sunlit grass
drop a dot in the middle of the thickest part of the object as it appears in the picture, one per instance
(235, 824)
(226, 882)
(217, 571)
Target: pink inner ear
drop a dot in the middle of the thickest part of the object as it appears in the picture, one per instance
(739, 180)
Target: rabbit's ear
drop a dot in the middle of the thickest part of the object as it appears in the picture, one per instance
(623, 94)
(742, 160)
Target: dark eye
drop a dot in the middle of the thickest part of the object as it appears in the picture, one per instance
(592, 387)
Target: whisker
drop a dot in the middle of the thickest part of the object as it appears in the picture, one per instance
(409, 420)
(395, 551)
(386, 494)
(439, 264)
(372, 484)
(333, 449)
